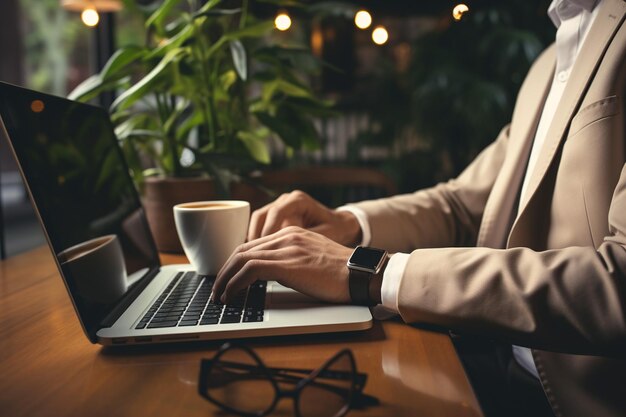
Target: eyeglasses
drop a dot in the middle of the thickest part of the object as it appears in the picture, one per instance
(237, 381)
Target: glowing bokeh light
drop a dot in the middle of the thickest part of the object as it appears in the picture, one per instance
(282, 22)
(362, 19)
(380, 35)
(459, 10)
(90, 17)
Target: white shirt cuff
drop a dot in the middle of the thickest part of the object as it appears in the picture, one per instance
(391, 281)
(361, 217)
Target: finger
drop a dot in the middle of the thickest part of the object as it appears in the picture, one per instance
(257, 220)
(255, 243)
(238, 261)
(273, 241)
(279, 217)
(253, 270)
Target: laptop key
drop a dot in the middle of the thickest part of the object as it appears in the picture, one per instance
(154, 325)
(205, 321)
(230, 319)
(188, 323)
(165, 319)
(168, 317)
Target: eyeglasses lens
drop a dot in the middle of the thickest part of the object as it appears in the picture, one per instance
(238, 382)
(329, 394)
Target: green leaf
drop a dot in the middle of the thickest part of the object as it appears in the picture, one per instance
(209, 5)
(153, 172)
(170, 124)
(286, 87)
(120, 61)
(310, 137)
(195, 119)
(294, 129)
(256, 145)
(217, 12)
(253, 31)
(94, 85)
(144, 133)
(143, 86)
(282, 128)
(173, 42)
(158, 17)
(294, 90)
(222, 177)
(87, 86)
(290, 56)
(238, 53)
(311, 107)
(228, 79)
(125, 128)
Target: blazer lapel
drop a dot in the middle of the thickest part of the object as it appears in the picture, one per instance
(607, 22)
(494, 225)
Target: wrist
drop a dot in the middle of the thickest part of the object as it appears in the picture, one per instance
(376, 284)
(366, 267)
(352, 233)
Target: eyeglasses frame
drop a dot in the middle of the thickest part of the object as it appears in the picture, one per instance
(356, 387)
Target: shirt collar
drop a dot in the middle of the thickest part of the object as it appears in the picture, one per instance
(554, 15)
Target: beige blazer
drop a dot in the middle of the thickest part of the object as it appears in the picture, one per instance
(554, 277)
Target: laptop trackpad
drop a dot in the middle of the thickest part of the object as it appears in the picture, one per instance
(281, 297)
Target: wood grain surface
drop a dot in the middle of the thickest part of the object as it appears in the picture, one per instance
(49, 368)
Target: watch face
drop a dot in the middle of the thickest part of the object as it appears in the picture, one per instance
(366, 258)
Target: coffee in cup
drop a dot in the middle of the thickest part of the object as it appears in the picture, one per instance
(210, 231)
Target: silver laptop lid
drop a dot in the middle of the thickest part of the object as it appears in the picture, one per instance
(84, 195)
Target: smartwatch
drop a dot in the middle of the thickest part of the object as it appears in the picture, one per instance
(363, 264)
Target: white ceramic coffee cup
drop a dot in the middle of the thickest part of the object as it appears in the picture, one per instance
(210, 231)
(97, 268)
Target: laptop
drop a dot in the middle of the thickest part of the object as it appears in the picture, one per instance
(82, 191)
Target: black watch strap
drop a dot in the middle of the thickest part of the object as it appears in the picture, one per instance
(359, 284)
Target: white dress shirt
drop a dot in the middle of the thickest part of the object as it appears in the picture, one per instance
(573, 18)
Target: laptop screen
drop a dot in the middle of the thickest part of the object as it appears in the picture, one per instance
(82, 189)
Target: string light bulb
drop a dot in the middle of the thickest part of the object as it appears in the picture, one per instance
(90, 17)
(362, 19)
(380, 35)
(282, 22)
(459, 10)
(102, 6)
(89, 9)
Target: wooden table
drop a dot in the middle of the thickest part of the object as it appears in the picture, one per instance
(49, 368)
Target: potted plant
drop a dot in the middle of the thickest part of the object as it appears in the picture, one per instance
(200, 100)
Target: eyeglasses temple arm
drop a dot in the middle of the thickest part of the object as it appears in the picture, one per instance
(361, 377)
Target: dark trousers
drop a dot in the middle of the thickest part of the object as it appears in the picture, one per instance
(503, 387)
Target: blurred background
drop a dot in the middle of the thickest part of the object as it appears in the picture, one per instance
(418, 87)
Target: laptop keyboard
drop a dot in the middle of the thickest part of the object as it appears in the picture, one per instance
(185, 302)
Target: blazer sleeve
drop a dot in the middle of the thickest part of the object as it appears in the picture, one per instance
(448, 214)
(570, 300)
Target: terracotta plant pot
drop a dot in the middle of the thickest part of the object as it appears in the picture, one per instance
(161, 194)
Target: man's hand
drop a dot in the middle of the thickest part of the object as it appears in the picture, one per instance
(300, 259)
(299, 209)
